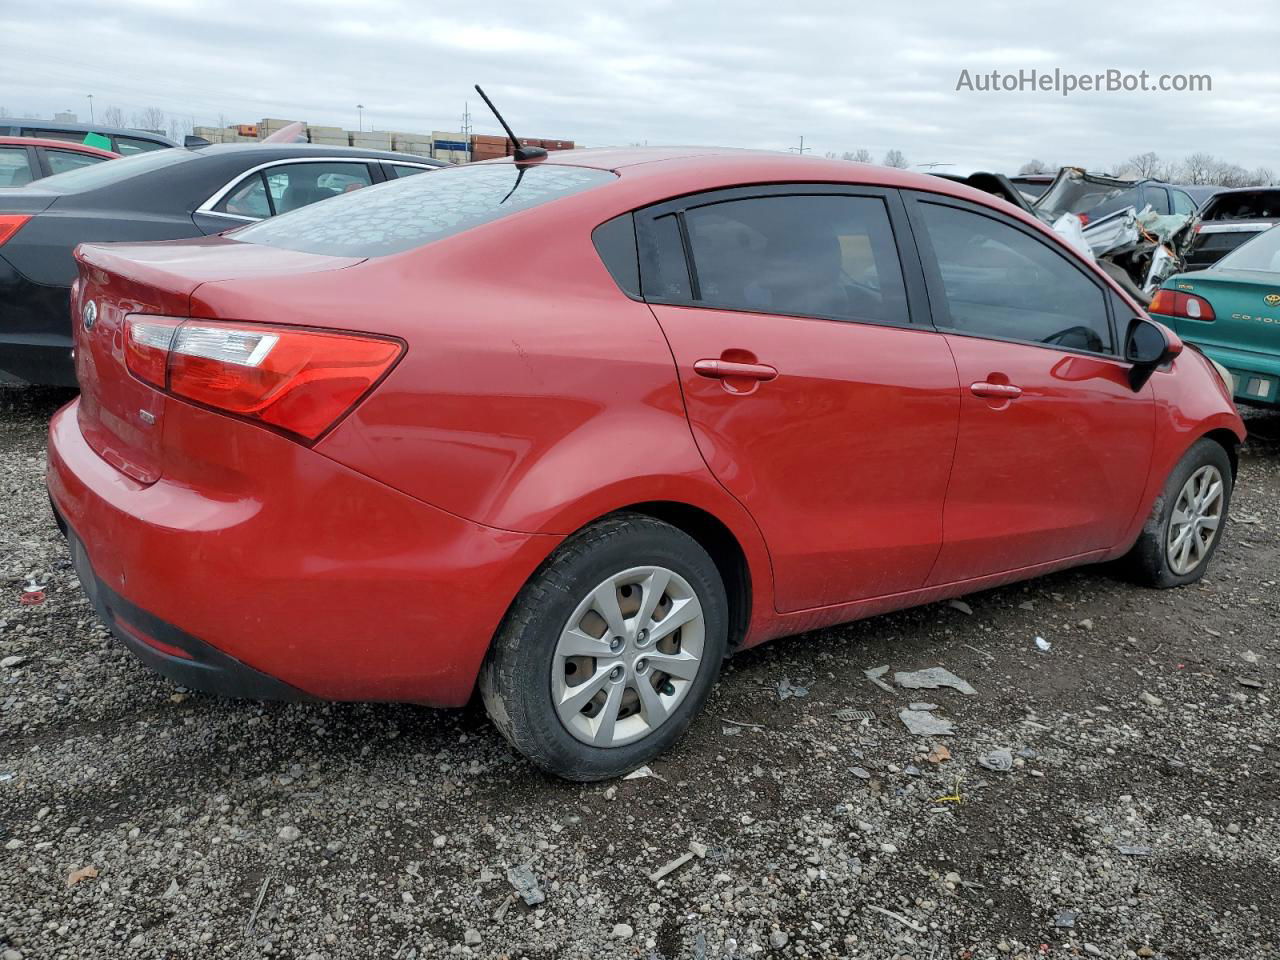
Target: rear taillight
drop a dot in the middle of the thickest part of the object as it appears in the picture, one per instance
(1170, 303)
(302, 381)
(11, 223)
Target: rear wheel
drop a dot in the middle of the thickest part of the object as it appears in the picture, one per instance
(610, 650)
(1185, 526)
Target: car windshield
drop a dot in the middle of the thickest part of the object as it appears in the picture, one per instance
(1260, 253)
(105, 174)
(406, 213)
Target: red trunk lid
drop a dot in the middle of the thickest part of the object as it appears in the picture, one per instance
(120, 416)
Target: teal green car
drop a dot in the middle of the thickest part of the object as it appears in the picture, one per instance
(1231, 311)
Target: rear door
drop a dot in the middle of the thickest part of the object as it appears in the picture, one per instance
(813, 397)
(1054, 447)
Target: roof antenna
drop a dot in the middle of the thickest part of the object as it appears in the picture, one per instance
(521, 154)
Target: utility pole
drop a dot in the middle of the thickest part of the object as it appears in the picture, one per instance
(466, 120)
(91, 108)
(360, 114)
(800, 149)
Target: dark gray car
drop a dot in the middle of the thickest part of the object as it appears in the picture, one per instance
(161, 195)
(124, 141)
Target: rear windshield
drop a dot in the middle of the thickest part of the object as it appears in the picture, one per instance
(105, 174)
(1260, 253)
(409, 212)
(1247, 205)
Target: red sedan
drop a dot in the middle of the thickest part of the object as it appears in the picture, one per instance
(570, 431)
(24, 159)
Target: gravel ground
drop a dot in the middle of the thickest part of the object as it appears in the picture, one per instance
(1139, 817)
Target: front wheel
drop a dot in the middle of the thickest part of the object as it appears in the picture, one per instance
(610, 650)
(1185, 526)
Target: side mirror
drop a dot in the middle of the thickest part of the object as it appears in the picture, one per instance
(1147, 346)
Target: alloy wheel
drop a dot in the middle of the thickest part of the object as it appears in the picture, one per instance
(627, 656)
(1194, 522)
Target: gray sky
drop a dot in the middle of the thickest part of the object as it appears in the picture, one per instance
(749, 74)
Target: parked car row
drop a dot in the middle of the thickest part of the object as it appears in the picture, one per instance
(569, 430)
(164, 194)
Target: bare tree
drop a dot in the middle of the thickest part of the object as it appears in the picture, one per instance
(179, 127)
(1144, 165)
(152, 118)
(113, 117)
(1033, 166)
(894, 158)
(861, 155)
(1262, 177)
(1197, 168)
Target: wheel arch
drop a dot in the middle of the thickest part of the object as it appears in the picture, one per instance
(1228, 440)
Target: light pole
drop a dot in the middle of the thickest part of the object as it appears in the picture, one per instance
(360, 113)
(90, 108)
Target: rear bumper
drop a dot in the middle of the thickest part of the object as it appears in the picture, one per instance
(271, 571)
(164, 648)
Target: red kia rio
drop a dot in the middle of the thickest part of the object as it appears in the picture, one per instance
(570, 431)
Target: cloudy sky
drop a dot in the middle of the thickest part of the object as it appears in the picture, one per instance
(748, 74)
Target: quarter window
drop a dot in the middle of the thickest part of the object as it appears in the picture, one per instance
(249, 199)
(1183, 205)
(825, 255)
(402, 169)
(1002, 283)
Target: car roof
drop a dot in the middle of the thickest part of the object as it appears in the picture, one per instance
(56, 145)
(71, 127)
(284, 151)
(731, 165)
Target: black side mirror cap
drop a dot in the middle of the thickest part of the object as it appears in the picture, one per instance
(1148, 346)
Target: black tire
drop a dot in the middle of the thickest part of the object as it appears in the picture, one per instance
(1148, 562)
(516, 678)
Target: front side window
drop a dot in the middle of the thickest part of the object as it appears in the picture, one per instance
(1002, 283)
(825, 255)
(1183, 205)
(60, 161)
(15, 171)
(406, 213)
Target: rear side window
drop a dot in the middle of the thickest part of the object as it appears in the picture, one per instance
(410, 212)
(1158, 198)
(1001, 283)
(826, 256)
(15, 171)
(60, 161)
(402, 169)
(105, 174)
(128, 146)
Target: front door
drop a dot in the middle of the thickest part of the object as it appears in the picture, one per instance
(1054, 446)
(813, 398)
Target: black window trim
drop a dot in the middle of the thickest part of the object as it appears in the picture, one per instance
(933, 277)
(913, 280)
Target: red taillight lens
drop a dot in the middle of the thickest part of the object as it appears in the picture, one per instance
(301, 381)
(11, 223)
(1170, 303)
(146, 347)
